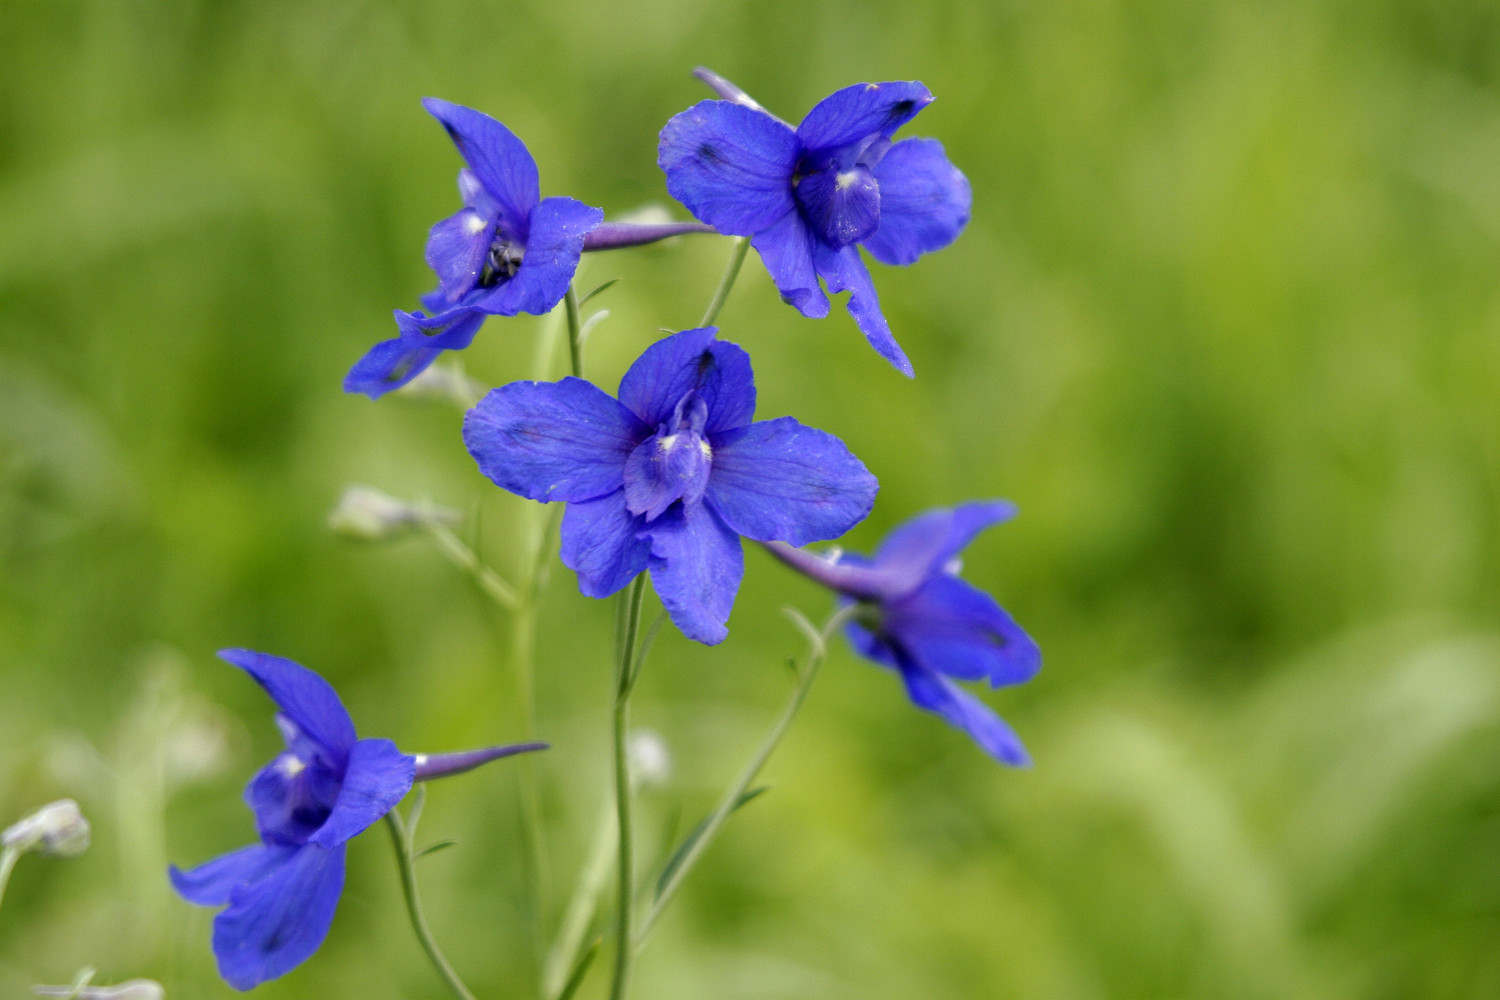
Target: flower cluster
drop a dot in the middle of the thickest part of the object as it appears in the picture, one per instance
(665, 477)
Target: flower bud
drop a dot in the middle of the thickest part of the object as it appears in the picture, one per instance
(56, 830)
(367, 514)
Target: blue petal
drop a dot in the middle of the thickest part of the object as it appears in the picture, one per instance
(730, 165)
(548, 441)
(918, 548)
(456, 248)
(696, 567)
(305, 698)
(850, 117)
(599, 543)
(779, 480)
(927, 690)
(472, 193)
(871, 646)
(392, 363)
(292, 796)
(213, 882)
(377, 778)
(786, 249)
(664, 469)
(953, 628)
(558, 229)
(496, 156)
(691, 361)
(844, 271)
(275, 924)
(841, 206)
(924, 202)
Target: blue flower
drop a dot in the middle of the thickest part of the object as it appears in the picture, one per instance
(667, 477)
(507, 251)
(809, 197)
(920, 619)
(326, 787)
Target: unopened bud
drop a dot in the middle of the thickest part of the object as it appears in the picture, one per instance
(369, 515)
(131, 989)
(650, 762)
(56, 830)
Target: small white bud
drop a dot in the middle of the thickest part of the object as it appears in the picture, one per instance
(444, 383)
(56, 830)
(131, 989)
(367, 514)
(650, 762)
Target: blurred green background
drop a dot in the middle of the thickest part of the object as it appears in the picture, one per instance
(1226, 325)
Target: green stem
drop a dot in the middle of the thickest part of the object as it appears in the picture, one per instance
(492, 584)
(581, 908)
(575, 332)
(8, 858)
(735, 792)
(402, 843)
(624, 681)
(731, 271)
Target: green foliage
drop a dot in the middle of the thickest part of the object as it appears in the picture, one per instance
(1226, 325)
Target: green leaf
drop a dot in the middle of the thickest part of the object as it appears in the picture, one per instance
(580, 968)
(440, 845)
(596, 291)
(675, 860)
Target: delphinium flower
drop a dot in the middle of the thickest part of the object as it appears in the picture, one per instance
(918, 617)
(324, 788)
(669, 476)
(507, 251)
(810, 197)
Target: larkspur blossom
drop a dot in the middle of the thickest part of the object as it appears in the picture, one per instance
(918, 617)
(507, 251)
(810, 197)
(669, 476)
(326, 787)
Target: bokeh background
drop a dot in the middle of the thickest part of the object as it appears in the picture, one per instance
(1225, 325)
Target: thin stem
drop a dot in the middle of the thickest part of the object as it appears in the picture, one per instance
(732, 795)
(581, 908)
(402, 843)
(575, 332)
(492, 584)
(624, 679)
(731, 271)
(8, 858)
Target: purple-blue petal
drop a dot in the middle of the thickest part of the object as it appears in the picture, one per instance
(691, 360)
(962, 710)
(392, 363)
(953, 628)
(213, 882)
(274, 924)
(600, 544)
(786, 248)
(496, 156)
(548, 441)
(559, 227)
(304, 697)
(842, 206)
(730, 165)
(919, 547)
(871, 646)
(376, 779)
(778, 480)
(292, 796)
(854, 115)
(924, 202)
(848, 575)
(664, 469)
(456, 248)
(845, 272)
(696, 567)
(443, 765)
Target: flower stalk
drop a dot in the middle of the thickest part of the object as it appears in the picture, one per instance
(625, 865)
(735, 793)
(726, 282)
(401, 841)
